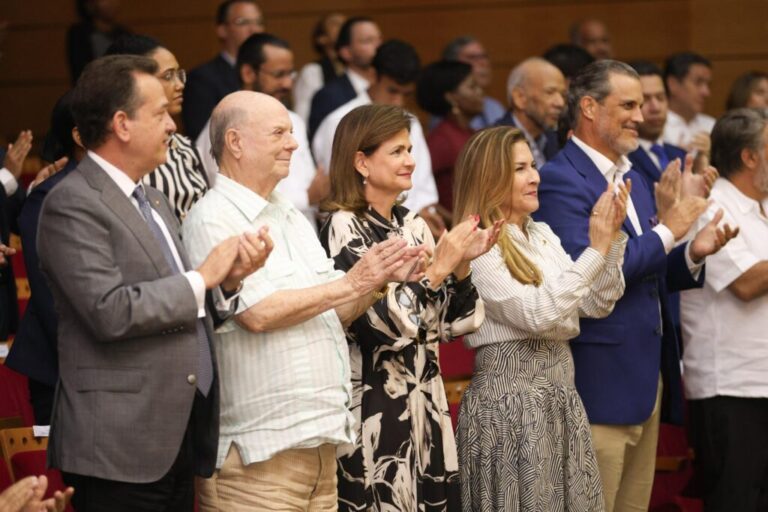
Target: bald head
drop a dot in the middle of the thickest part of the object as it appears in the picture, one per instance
(536, 90)
(252, 140)
(234, 112)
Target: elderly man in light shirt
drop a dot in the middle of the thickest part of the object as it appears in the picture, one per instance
(285, 377)
(725, 326)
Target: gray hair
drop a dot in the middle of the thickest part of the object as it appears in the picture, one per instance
(738, 129)
(518, 75)
(222, 120)
(453, 48)
(594, 80)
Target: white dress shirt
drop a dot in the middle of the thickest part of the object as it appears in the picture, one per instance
(679, 132)
(8, 181)
(309, 81)
(127, 186)
(301, 171)
(423, 193)
(284, 388)
(726, 339)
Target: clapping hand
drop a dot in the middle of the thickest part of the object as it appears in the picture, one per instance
(48, 171)
(481, 240)
(252, 252)
(668, 189)
(711, 238)
(5, 252)
(17, 153)
(608, 215)
(379, 265)
(697, 184)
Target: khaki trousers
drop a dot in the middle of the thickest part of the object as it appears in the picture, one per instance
(293, 480)
(626, 457)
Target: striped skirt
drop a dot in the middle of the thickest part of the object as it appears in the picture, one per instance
(523, 438)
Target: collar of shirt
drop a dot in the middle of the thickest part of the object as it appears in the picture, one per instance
(540, 142)
(359, 84)
(646, 144)
(232, 61)
(603, 163)
(250, 204)
(746, 204)
(124, 183)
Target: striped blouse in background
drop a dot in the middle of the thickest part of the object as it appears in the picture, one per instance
(181, 178)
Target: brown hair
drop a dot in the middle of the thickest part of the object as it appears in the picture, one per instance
(483, 177)
(363, 129)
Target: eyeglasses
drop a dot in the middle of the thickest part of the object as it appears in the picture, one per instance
(281, 74)
(177, 74)
(244, 22)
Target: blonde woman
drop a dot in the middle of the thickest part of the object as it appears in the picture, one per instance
(405, 455)
(523, 436)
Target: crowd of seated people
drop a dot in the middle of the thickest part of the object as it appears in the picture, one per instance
(241, 276)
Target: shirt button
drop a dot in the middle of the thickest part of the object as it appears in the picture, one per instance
(192, 379)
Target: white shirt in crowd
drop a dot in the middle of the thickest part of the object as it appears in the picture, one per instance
(424, 191)
(310, 81)
(8, 180)
(300, 173)
(679, 132)
(726, 339)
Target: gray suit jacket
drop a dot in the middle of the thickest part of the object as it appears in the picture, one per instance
(126, 336)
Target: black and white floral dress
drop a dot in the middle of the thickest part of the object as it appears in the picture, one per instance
(404, 457)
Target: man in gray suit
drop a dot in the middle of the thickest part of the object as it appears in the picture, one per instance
(136, 407)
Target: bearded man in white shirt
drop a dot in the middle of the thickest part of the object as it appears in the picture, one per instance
(725, 326)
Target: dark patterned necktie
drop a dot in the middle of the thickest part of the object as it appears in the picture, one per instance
(205, 363)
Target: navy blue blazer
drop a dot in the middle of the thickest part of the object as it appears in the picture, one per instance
(330, 97)
(206, 86)
(643, 164)
(34, 352)
(552, 146)
(618, 358)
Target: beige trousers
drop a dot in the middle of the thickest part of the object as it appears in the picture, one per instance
(293, 480)
(626, 456)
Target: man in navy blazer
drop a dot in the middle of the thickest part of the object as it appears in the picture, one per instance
(359, 38)
(536, 90)
(653, 155)
(618, 359)
(236, 21)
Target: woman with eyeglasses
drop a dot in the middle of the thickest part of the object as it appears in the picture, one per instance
(524, 440)
(404, 457)
(182, 177)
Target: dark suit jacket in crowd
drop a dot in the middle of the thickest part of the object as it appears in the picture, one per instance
(643, 164)
(645, 167)
(10, 206)
(330, 97)
(34, 351)
(550, 149)
(127, 336)
(617, 359)
(206, 86)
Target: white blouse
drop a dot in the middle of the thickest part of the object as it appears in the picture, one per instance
(588, 287)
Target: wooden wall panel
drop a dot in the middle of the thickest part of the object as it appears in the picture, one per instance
(33, 69)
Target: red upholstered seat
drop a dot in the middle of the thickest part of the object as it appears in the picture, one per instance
(456, 361)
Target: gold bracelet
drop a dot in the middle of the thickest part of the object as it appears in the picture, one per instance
(380, 294)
